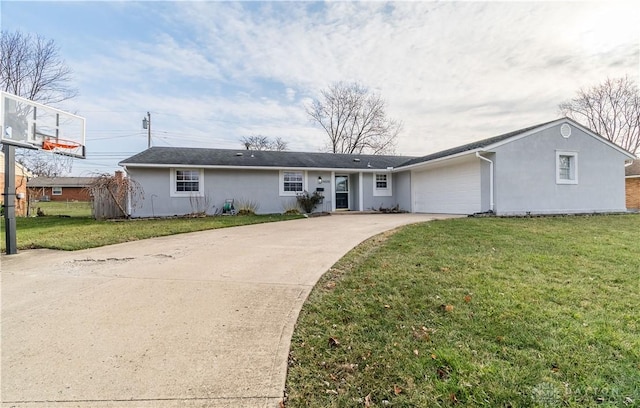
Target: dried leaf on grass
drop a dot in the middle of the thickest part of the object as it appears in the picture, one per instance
(446, 308)
(443, 372)
(348, 368)
(422, 334)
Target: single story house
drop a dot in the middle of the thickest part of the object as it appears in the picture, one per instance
(22, 175)
(60, 188)
(555, 167)
(632, 180)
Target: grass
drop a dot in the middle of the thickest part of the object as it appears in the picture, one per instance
(66, 208)
(83, 232)
(534, 312)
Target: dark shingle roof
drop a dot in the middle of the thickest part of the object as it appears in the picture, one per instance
(39, 182)
(186, 156)
(633, 169)
(471, 146)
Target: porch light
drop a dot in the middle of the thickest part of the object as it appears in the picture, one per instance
(319, 179)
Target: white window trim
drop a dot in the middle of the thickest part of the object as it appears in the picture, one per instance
(291, 193)
(172, 185)
(382, 192)
(574, 162)
(54, 189)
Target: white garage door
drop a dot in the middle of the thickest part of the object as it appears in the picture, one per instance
(448, 189)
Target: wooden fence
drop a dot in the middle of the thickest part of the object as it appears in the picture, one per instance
(105, 207)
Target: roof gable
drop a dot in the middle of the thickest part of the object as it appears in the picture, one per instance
(493, 142)
(469, 147)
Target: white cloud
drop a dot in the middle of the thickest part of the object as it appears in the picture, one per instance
(448, 70)
(453, 72)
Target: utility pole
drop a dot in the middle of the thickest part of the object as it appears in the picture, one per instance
(146, 124)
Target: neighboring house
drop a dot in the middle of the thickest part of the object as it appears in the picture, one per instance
(632, 180)
(22, 175)
(555, 167)
(60, 188)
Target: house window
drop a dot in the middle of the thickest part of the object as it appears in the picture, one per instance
(186, 182)
(381, 184)
(56, 191)
(291, 182)
(566, 167)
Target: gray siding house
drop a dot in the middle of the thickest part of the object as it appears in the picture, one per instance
(555, 167)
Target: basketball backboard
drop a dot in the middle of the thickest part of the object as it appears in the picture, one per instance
(33, 125)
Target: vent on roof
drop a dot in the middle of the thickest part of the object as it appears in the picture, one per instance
(356, 160)
(239, 154)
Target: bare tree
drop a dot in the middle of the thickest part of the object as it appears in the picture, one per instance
(44, 164)
(612, 109)
(355, 120)
(259, 142)
(31, 67)
(279, 145)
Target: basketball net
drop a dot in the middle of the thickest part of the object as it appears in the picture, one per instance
(60, 160)
(57, 162)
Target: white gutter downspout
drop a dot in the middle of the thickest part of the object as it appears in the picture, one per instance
(490, 180)
(360, 193)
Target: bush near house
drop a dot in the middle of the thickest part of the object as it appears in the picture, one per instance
(533, 312)
(308, 202)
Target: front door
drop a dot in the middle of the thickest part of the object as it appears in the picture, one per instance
(342, 192)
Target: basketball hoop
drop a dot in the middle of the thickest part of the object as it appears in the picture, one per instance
(57, 144)
(63, 147)
(32, 125)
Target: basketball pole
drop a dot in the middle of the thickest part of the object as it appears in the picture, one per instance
(10, 198)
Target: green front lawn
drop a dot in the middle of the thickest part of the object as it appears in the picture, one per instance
(73, 233)
(533, 312)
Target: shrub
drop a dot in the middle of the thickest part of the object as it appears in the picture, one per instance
(291, 207)
(247, 207)
(309, 201)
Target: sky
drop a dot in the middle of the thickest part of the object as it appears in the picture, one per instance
(212, 72)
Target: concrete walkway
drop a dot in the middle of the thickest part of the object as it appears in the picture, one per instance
(193, 320)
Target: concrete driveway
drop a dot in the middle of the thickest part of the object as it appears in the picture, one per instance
(193, 320)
